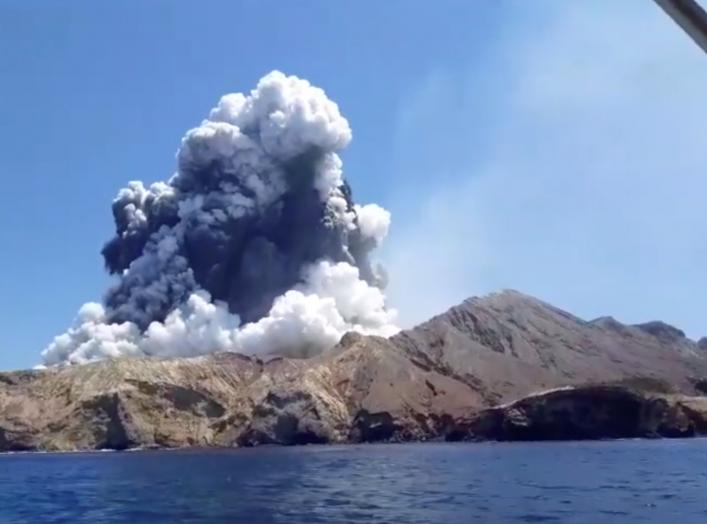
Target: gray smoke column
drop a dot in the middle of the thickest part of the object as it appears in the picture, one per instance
(253, 245)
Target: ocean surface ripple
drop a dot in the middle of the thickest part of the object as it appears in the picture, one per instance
(572, 482)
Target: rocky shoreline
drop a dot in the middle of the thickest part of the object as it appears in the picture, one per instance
(505, 367)
(571, 413)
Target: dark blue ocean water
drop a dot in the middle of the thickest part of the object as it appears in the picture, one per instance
(594, 483)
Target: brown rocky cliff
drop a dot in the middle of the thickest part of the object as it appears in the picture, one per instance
(229, 400)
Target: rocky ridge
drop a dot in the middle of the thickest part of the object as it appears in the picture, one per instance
(470, 373)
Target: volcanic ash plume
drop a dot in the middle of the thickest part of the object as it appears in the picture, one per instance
(253, 245)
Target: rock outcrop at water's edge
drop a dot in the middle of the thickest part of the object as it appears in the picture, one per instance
(588, 412)
(471, 373)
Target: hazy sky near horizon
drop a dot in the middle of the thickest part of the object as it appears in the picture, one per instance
(553, 147)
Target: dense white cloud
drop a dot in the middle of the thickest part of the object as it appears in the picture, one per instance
(303, 116)
(92, 338)
(373, 221)
(331, 300)
(198, 326)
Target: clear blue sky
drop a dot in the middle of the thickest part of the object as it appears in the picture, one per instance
(557, 148)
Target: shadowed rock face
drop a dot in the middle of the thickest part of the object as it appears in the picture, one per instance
(588, 412)
(455, 376)
(662, 330)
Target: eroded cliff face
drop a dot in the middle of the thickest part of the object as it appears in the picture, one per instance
(365, 389)
(452, 377)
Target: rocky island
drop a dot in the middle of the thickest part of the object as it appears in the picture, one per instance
(506, 367)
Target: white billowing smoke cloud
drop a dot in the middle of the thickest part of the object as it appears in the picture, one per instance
(92, 338)
(373, 221)
(254, 245)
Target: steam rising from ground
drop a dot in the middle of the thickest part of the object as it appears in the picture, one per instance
(253, 245)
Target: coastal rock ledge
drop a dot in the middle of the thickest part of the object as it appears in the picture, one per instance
(502, 367)
(588, 413)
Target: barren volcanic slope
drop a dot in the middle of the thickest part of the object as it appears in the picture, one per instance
(508, 345)
(427, 382)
